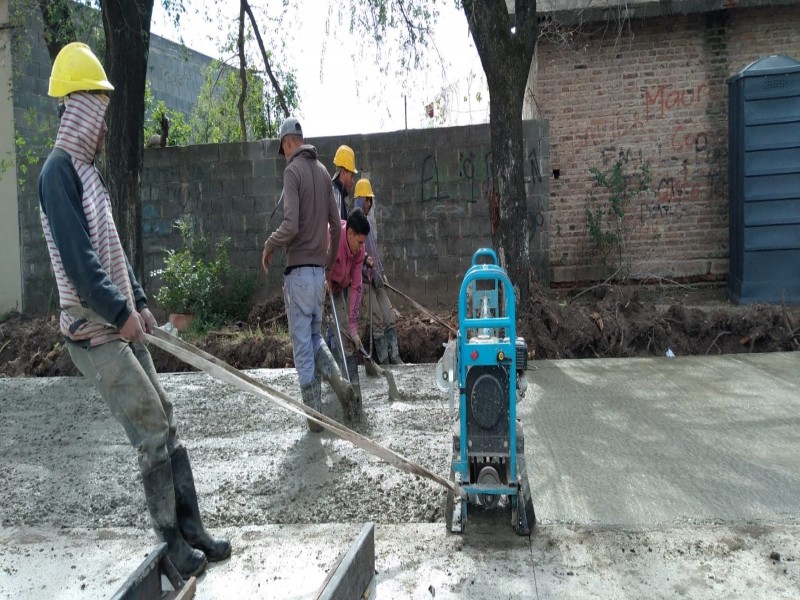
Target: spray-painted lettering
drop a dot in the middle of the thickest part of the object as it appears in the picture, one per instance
(467, 171)
(661, 100)
(430, 180)
(536, 173)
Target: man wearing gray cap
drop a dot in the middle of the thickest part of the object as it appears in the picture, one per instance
(309, 209)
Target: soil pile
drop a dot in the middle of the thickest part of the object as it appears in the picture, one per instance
(606, 321)
(627, 321)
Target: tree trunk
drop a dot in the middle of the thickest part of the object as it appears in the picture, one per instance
(127, 29)
(59, 30)
(242, 73)
(506, 57)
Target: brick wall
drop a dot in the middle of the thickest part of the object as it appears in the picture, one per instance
(656, 93)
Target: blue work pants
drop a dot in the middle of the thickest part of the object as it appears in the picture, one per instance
(304, 295)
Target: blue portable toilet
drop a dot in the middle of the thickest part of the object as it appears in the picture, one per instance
(764, 181)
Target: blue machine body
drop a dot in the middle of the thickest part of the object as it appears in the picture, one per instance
(487, 368)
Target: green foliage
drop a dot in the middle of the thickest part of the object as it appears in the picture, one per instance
(35, 132)
(31, 150)
(179, 130)
(606, 210)
(198, 279)
(402, 30)
(215, 118)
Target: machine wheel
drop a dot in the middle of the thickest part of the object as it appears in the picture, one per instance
(523, 518)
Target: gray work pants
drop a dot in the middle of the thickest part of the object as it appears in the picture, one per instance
(382, 314)
(124, 375)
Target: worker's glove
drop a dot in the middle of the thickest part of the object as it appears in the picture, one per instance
(356, 341)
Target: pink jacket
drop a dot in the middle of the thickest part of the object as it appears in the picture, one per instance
(346, 273)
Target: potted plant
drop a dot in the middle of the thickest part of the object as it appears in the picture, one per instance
(186, 285)
(198, 283)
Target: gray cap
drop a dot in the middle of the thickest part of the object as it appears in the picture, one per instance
(290, 126)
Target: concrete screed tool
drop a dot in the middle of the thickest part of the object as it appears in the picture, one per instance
(485, 366)
(394, 393)
(224, 372)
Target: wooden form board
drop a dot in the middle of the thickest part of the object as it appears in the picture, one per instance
(353, 571)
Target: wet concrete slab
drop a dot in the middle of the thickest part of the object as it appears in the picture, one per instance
(651, 478)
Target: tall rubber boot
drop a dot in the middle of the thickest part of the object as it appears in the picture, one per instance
(381, 351)
(391, 342)
(160, 493)
(355, 407)
(327, 368)
(188, 511)
(311, 398)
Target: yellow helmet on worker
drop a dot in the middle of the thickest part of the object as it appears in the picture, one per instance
(363, 189)
(345, 158)
(77, 69)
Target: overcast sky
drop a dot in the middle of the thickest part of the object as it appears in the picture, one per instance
(341, 97)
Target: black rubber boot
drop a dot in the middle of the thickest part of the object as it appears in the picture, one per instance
(189, 513)
(355, 406)
(311, 398)
(326, 367)
(160, 493)
(391, 342)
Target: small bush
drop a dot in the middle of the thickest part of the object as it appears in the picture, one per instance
(198, 279)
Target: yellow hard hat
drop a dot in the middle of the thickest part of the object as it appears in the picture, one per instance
(76, 69)
(363, 189)
(345, 158)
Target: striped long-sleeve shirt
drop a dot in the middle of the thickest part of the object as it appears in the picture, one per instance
(86, 254)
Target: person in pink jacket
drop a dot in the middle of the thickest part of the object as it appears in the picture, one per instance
(346, 291)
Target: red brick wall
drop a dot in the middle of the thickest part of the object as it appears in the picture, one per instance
(657, 93)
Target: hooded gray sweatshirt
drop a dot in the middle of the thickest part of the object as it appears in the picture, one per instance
(308, 209)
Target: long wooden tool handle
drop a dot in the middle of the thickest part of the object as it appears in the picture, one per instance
(422, 308)
(224, 372)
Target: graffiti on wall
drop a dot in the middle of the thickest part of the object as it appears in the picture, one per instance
(429, 189)
(474, 177)
(660, 101)
(688, 165)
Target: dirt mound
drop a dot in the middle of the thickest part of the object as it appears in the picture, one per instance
(618, 321)
(33, 347)
(628, 321)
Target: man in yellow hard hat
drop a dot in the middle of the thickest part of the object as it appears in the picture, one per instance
(383, 316)
(104, 313)
(345, 162)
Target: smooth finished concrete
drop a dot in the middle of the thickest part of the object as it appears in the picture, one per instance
(643, 442)
(652, 478)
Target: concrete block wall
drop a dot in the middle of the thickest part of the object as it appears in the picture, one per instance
(656, 93)
(430, 207)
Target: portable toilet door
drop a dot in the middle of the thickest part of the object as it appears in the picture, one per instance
(764, 182)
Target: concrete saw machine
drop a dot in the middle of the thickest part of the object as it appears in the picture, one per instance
(484, 368)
